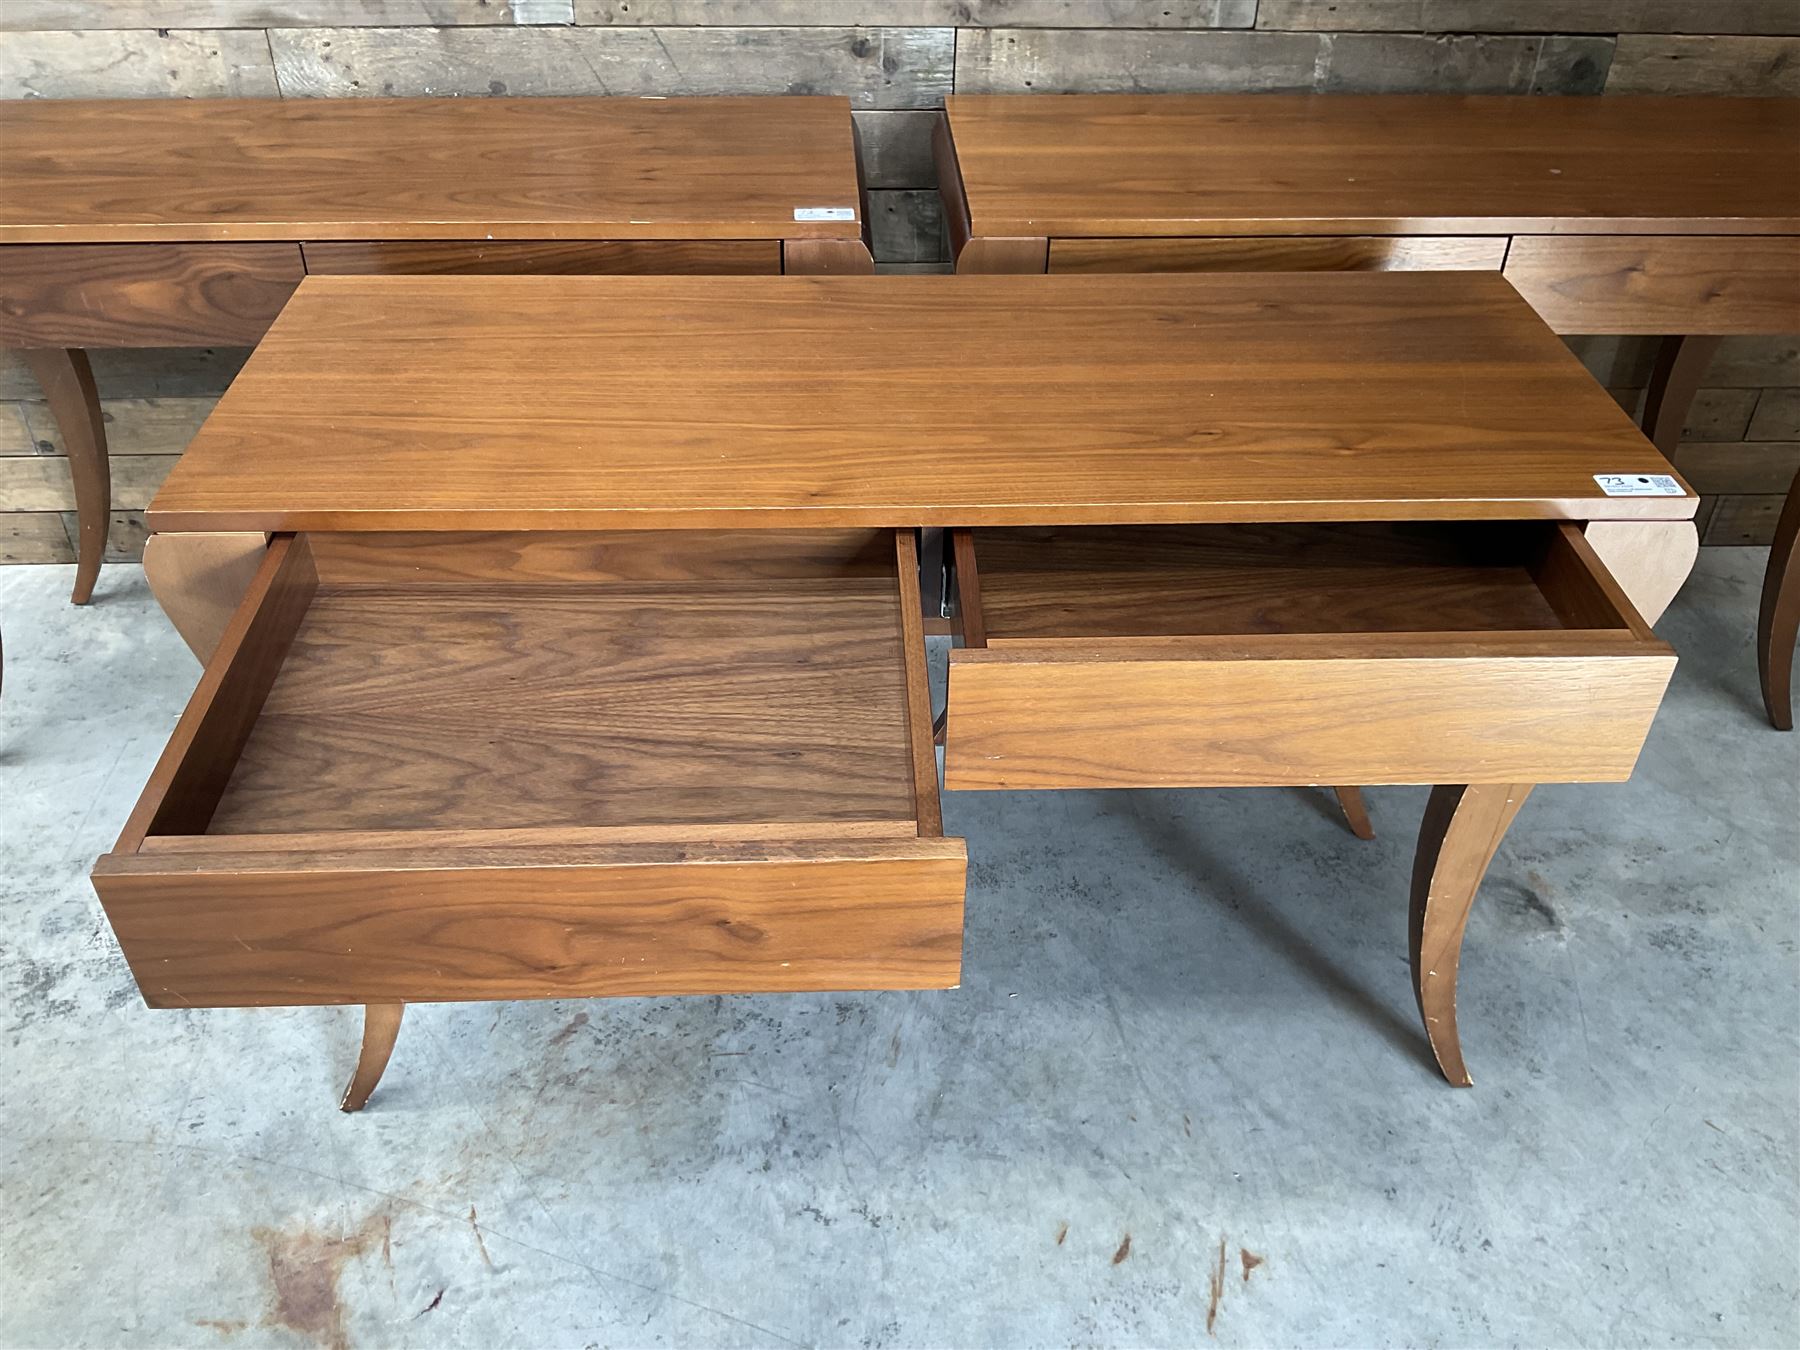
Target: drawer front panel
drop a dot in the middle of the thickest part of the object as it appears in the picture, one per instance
(143, 295)
(1691, 284)
(1231, 713)
(654, 257)
(1360, 253)
(249, 930)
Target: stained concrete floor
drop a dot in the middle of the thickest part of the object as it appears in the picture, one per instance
(1180, 1098)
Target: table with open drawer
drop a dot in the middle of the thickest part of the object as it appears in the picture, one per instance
(521, 683)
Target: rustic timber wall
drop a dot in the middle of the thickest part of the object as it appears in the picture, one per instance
(895, 59)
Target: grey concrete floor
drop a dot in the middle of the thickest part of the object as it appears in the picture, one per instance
(1184, 1038)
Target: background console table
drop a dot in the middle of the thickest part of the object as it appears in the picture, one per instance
(1668, 216)
(561, 685)
(177, 223)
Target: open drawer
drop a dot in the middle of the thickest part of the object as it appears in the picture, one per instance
(426, 767)
(1231, 656)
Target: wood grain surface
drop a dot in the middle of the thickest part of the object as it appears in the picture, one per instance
(1351, 253)
(200, 579)
(629, 257)
(184, 788)
(142, 295)
(1688, 285)
(233, 930)
(1299, 709)
(494, 705)
(427, 168)
(1120, 165)
(384, 403)
(1231, 657)
(1147, 581)
(596, 556)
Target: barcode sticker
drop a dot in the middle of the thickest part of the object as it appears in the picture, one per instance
(824, 213)
(1639, 485)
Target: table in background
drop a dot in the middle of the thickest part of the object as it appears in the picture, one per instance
(176, 223)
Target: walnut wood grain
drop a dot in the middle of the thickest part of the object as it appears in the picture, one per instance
(1354, 253)
(626, 257)
(920, 740)
(428, 168)
(1650, 559)
(1004, 256)
(603, 555)
(67, 381)
(1322, 654)
(185, 786)
(1140, 581)
(1263, 164)
(1025, 254)
(381, 1026)
(396, 403)
(498, 705)
(971, 624)
(1778, 615)
(142, 295)
(257, 929)
(826, 257)
(200, 579)
(1717, 285)
(1462, 830)
(362, 841)
(1300, 709)
(1574, 580)
(1356, 811)
(1681, 362)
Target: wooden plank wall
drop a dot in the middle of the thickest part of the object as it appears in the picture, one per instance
(895, 59)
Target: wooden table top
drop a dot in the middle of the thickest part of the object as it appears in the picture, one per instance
(1246, 164)
(544, 403)
(442, 168)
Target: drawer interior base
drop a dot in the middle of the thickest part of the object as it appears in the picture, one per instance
(501, 705)
(583, 682)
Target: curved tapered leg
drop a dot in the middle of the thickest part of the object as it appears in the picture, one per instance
(1778, 622)
(1674, 380)
(199, 580)
(68, 384)
(1650, 559)
(1356, 814)
(381, 1024)
(1462, 830)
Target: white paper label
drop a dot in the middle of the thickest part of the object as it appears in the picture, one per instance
(1639, 485)
(824, 213)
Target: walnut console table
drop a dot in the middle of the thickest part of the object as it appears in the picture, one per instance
(561, 685)
(177, 223)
